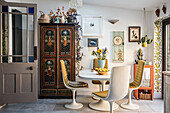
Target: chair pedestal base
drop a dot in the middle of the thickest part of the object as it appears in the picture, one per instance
(102, 105)
(74, 105)
(129, 106)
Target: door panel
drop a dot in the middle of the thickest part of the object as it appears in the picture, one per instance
(18, 83)
(9, 83)
(49, 42)
(65, 41)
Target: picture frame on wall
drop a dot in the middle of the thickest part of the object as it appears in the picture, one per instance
(118, 46)
(92, 26)
(92, 42)
(134, 33)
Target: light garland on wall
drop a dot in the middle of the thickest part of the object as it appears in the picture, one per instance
(76, 4)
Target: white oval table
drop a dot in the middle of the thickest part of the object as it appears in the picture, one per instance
(101, 105)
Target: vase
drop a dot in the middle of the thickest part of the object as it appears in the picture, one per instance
(144, 44)
(62, 19)
(69, 20)
(101, 63)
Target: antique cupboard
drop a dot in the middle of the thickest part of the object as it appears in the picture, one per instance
(57, 42)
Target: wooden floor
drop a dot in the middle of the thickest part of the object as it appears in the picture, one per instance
(57, 106)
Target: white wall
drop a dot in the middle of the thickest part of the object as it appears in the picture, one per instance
(126, 18)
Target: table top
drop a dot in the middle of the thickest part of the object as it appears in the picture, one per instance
(87, 74)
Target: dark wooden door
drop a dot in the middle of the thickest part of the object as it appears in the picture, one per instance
(48, 60)
(165, 48)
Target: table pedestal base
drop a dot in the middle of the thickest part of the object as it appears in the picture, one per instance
(102, 105)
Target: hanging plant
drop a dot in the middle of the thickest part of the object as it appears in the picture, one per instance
(145, 41)
(79, 55)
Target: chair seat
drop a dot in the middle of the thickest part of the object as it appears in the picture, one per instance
(102, 94)
(77, 84)
(98, 82)
(133, 85)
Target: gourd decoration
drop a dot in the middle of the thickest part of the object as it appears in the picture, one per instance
(145, 41)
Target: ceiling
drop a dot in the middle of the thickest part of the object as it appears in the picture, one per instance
(129, 4)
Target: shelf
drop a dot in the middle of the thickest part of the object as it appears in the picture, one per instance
(151, 88)
(147, 88)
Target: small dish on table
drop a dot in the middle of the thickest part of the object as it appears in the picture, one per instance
(101, 71)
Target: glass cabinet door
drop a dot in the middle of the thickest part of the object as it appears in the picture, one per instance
(65, 42)
(49, 72)
(49, 42)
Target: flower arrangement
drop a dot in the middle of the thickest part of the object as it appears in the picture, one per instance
(70, 15)
(100, 53)
(59, 14)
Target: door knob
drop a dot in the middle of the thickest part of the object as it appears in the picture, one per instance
(31, 68)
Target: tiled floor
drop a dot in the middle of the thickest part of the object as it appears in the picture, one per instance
(57, 106)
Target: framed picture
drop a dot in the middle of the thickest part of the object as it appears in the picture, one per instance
(118, 46)
(134, 33)
(92, 42)
(92, 26)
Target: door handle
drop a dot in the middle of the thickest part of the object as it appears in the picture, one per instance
(30, 68)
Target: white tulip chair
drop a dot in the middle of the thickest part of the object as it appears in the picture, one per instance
(73, 85)
(118, 87)
(135, 85)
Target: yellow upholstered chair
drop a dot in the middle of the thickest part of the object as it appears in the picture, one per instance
(135, 85)
(118, 87)
(73, 86)
(95, 65)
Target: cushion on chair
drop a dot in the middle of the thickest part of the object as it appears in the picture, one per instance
(139, 72)
(102, 94)
(64, 72)
(98, 82)
(72, 84)
(76, 84)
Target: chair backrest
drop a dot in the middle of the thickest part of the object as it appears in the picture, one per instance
(119, 83)
(95, 63)
(139, 73)
(64, 73)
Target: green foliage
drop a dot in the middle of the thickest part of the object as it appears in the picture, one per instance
(4, 37)
(145, 39)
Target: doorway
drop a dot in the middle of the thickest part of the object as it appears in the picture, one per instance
(18, 42)
(165, 48)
